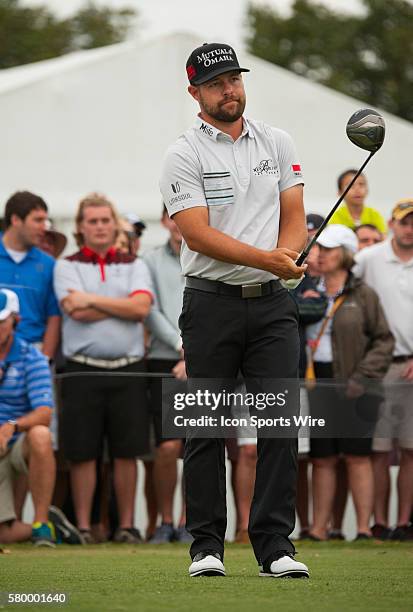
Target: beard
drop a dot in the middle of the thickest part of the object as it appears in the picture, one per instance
(220, 113)
(404, 243)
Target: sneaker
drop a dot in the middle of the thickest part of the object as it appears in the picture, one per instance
(182, 535)
(87, 536)
(314, 538)
(380, 532)
(400, 533)
(335, 534)
(164, 534)
(130, 535)
(207, 563)
(65, 531)
(363, 536)
(283, 565)
(43, 534)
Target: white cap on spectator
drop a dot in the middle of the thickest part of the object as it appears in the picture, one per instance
(9, 303)
(338, 236)
(135, 220)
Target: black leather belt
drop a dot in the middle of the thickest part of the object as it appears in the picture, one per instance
(242, 291)
(402, 358)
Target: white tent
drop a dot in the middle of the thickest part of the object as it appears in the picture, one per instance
(102, 120)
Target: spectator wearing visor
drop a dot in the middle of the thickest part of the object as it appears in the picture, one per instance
(351, 345)
(138, 227)
(26, 404)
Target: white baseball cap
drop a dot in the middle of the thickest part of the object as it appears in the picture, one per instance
(338, 236)
(9, 303)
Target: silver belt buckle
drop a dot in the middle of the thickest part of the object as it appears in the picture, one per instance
(251, 291)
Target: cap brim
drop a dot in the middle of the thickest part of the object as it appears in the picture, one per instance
(326, 243)
(60, 241)
(217, 72)
(401, 214)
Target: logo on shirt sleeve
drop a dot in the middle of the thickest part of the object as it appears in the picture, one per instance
(296, 168)
(179, 197)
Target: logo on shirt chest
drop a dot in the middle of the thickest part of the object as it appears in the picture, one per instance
(11, 372)
(266, 167)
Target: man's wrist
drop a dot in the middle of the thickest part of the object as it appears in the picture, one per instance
(13, 423)
(267, 261)
(92, 301)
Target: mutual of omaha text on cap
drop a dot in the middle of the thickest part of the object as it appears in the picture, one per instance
(209, 61)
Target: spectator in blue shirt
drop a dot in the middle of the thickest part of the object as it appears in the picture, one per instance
(28, 271)
(26, 403)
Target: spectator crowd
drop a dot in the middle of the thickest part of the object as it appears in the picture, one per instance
(87, 337)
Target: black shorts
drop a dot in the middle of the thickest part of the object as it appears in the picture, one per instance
(95, 407)
(321, 448)
(366, 406)
(162, 366)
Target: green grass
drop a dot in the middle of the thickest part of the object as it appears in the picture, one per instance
(344, 577)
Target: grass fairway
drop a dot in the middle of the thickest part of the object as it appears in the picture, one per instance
(344, 577)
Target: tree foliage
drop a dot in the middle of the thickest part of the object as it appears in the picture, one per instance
(31, 34)
(368, 56)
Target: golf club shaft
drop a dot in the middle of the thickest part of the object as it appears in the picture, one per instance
(312, 242)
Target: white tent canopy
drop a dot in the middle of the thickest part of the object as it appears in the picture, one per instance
(101, 120)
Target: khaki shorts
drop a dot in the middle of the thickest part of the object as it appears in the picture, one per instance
(11, 465)
(396, 413)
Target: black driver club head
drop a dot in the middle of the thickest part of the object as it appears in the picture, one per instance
(366, 129)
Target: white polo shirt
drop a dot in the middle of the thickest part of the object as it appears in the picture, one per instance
(392, 279)
(115, 275)
(239, 182)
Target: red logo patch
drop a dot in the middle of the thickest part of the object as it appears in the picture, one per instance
(191, 72)
(296, 168)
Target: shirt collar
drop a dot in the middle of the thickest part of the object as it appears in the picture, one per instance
(93, 255)
(247, 128)
(15, 350)
(208, 130)
(32, 253)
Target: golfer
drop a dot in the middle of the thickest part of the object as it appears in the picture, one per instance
(234, 188)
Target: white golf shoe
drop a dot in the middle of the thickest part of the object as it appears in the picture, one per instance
(284, 566)
(207, 563)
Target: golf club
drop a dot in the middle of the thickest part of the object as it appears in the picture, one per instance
(366, 129)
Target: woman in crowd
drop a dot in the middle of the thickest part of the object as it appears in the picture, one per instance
(351, 345)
